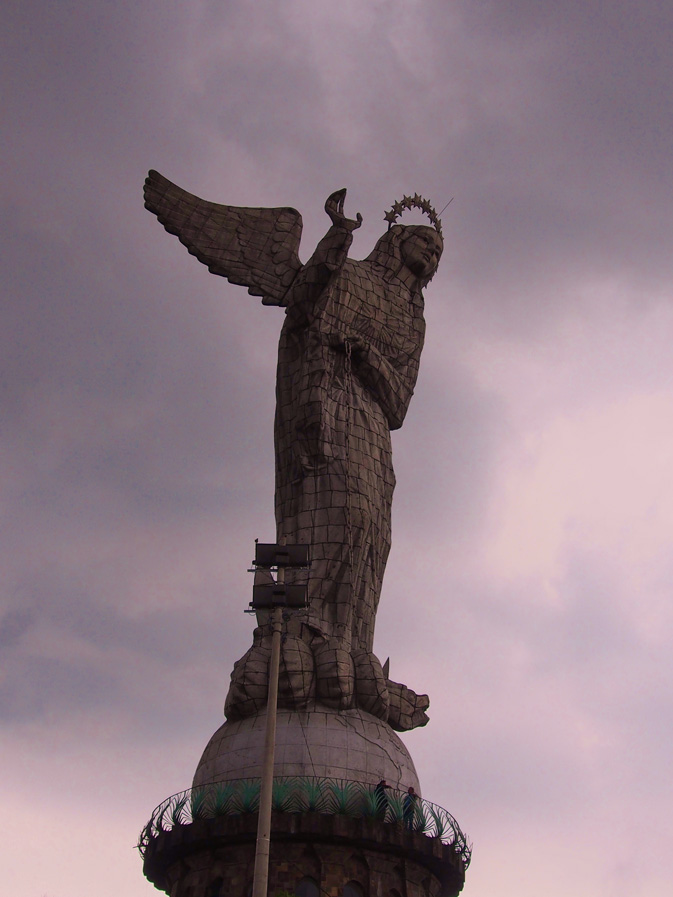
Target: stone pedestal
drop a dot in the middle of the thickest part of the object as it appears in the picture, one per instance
(214, 858)
(330, 836)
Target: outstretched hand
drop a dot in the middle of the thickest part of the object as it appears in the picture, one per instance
(335, 209)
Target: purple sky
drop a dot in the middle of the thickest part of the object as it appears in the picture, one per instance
(529, 585)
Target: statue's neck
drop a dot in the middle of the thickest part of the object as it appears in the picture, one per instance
(409, 279)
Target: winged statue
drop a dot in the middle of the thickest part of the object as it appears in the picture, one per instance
(348, 359)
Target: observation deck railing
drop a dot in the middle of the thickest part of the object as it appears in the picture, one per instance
(307, 795)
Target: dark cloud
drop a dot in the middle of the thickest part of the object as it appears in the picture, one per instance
(137, 396)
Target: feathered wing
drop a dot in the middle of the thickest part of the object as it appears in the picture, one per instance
(256, 248)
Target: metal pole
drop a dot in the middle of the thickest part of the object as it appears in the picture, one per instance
(261, 878)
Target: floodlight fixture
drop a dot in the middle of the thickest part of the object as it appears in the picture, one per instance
(270, 555)
(266, 596)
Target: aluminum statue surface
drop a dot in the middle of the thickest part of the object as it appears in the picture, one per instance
(348, 359)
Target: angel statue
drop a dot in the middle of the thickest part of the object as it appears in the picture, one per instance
(347, 364)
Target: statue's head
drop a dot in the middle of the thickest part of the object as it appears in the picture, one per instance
(412, 248)
(411, 251)
(421, 249)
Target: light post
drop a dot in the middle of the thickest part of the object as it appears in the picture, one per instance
(268, 595)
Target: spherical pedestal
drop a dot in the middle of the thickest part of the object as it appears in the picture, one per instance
(318, 742)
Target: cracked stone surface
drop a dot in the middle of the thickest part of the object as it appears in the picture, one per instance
(351, 745)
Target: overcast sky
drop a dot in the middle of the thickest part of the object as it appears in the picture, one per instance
(529, 584)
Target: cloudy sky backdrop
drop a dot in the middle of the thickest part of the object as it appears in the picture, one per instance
(529, 585)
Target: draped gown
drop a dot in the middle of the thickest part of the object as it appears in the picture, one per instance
(348, 361)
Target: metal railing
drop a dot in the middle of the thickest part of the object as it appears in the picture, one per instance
(335, 797)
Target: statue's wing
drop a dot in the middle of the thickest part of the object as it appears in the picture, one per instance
(256, 248)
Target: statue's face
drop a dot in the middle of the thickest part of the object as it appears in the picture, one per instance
(421, 250)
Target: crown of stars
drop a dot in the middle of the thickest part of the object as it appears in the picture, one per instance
(413, 202)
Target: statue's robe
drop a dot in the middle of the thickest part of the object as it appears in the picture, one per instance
(334, 414)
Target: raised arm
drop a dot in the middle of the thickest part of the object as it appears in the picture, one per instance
(332, 250)
(328, 258)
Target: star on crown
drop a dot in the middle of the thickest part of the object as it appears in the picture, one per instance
(413, 202)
